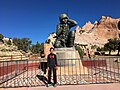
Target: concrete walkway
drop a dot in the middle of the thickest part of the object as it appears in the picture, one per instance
(113, 86)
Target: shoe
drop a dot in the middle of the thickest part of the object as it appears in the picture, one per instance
(54, 85)
(48, 85)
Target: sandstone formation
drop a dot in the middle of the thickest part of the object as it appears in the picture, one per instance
(88, 26)
(99, 32)
(51, 38)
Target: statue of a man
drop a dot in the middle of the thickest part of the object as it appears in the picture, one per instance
(65, 37)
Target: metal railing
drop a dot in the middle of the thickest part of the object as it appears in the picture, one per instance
(25, 73)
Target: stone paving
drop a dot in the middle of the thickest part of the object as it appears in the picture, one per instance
(111, 86)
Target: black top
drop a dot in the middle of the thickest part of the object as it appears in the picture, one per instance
(51, 60)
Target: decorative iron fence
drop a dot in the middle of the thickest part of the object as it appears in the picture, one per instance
(26, 73)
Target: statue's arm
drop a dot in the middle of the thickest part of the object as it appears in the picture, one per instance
(72, 23)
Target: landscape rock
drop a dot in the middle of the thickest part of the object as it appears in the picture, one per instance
(99, 32)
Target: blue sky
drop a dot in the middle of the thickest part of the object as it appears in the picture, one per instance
(35, 19)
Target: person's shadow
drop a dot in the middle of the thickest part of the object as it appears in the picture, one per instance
(42, 78)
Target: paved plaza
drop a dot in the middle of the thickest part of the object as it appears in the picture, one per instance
(34, 78)
(112, 86)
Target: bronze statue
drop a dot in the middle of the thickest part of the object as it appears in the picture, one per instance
(65, 37)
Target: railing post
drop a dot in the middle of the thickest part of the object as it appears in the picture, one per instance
(7, 75)
(16, 70)
(11, 57)
(21, 57)
(3, 74)
(60, 72)
(118, 69)
(27, 72)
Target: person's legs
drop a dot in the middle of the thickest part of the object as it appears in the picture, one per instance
(89, 56)
(45, 67)
(42, 68)
(49, 76)
(54, 76)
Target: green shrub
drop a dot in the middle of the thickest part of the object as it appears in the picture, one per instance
(80, 51)
(93, 46)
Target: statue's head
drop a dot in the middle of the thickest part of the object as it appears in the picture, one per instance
(63, 18)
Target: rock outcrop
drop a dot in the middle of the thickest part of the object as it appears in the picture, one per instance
(51, 38)
(7, 50)
(88, 26)
(99, 32)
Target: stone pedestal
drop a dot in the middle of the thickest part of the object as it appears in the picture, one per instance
(66, 53)
(69, 61)
(66, 56)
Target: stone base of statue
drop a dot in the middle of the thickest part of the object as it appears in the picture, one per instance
(66, 56)
(69, 61)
